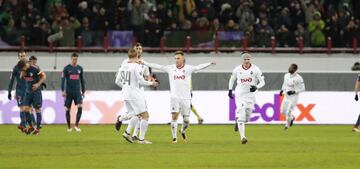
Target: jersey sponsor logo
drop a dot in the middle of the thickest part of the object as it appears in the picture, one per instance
(182, 77)
(247, 80)
(270, 112)
(74, 77)
(29, 79)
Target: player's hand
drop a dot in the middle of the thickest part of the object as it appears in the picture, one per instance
(35, 86)
(64, 94)
(230, 94)
(356, 97)
(213, 63)
(155, 84)
(9, 95)
(253, 88)
(140, 62)
(43, 86)
(290, 93)
(281, 93)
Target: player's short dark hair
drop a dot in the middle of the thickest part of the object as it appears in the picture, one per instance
(21, 64)
(179, 52)
(138, 44)
(21, 51)
(132, 53)
(295, 66)
(75, 55)
(33, 57)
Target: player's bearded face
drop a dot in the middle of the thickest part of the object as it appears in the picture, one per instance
(139, 50)
(22, 56)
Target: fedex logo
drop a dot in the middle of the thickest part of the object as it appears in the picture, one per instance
(74, 77)
(182, 77)
(261, 111)
(249, 80)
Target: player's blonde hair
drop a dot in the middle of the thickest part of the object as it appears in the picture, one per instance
(132, 53)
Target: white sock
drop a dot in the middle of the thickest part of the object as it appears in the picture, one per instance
(174, 126)
(137, 129)
(288, 120)
(241, 126)
(143, 128)
(132, 124)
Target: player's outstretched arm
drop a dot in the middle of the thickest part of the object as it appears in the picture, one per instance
(141, 79)
(156, 66)
(202, 66)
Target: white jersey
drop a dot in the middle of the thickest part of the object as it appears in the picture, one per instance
(293, 83)
(145, 69)
(246, 78)
(130, 78)
(179, 78)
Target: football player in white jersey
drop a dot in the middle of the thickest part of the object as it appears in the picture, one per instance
(130, 78)
(128, 115)
(357, 88)
(249, 79)
(293, 85)
(180, 90)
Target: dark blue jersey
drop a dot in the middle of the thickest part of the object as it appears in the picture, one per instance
(20, 83)
(32, 76)
(73, 79)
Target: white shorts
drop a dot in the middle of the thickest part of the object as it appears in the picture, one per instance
(288, 104)
(182, 106)
(244, 107)
(136, 106)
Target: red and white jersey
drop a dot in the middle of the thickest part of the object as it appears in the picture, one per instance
(293, 82)
(130, 78)
(179, 78)
(245, 78)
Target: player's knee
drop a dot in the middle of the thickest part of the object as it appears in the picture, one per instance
(186, 119)
(174, 116)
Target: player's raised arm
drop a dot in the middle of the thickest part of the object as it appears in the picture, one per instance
(260, 79)
(156, 66)
(11, 83)
(63, 79)
(231, 83)
(357, 86)
(201, 66)
(82, 81)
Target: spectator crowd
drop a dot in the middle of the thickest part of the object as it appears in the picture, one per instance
(259, 20)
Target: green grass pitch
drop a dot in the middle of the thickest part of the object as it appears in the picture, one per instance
(210, 146)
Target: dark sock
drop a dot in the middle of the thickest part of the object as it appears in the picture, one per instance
(22, 119)
(357, 122)
(38, 120)
(78, 116)
(68, 118)
(28, 118)
(33, 119)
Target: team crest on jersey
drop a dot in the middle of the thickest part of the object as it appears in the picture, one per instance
(251, 72)
(183, 71)
(31, 74)
(79, 71)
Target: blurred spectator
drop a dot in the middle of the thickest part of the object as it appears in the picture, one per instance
(264, 32)
(232, 26)
(11, 33)
(316, 27)
(226, 13)
(201, 24)
(216, 26)
(297, 15)
(82, 11)
(352, 31)
(186, 26)
(152, 31)
(249, 33)
(335, 31)
(120, 20)
(301, 32)
(246, 15)
(100, 22)
(138, 11)
(68, 27)
(356, 66)
(284, 37)
(39, 33)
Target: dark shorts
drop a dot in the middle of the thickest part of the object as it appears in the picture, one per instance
(33, 99)
(70, 97)
(20, 98)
